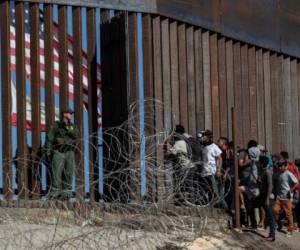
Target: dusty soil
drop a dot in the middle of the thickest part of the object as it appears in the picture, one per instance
(39, 228)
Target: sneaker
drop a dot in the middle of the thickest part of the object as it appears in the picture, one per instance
(269, 238)
(261, 228)
(289, 234)
(297, 229)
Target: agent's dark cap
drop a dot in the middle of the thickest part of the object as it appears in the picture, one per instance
(67, 111)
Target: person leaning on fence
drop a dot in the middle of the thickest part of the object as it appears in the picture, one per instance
(177, 149)
(61, 144)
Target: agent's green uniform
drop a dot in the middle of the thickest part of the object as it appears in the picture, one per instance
(61, 143)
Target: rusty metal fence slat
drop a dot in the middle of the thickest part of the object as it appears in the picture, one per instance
(63, 57)
(92, 99)
(35, 100)
(22, 150)
(78, 94)
(6, 100)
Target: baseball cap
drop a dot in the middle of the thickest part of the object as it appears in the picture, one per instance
(67, 110)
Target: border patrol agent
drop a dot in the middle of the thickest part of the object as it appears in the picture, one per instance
(61, 144)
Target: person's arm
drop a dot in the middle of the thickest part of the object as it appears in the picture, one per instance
(217, 153)
(293, 182)
(219, 161)
(177, 148)
(243, 163)
(73, 131)
(226, 173)
(243, 160)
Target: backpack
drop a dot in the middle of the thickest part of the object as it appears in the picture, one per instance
(195, 149)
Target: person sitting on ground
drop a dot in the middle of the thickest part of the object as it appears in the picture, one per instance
(286, 183)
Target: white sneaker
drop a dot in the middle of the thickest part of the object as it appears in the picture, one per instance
(289, 234)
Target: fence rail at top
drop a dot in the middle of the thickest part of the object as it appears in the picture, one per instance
(109, 64)
(253, 18)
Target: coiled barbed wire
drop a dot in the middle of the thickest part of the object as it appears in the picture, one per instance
(176, 208)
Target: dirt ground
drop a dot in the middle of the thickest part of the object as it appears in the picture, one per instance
(245, 240)
(55, 229)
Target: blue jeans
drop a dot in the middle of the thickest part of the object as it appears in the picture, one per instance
(221, 193)
(271, 218)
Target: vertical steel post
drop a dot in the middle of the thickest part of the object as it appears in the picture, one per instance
(236, 172)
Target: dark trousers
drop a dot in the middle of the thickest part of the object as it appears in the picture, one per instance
(297, 214)
(271, 218)
(250, 206)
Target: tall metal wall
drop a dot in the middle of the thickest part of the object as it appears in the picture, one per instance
(197, 74)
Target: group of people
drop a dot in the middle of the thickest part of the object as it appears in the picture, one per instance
(268, 184)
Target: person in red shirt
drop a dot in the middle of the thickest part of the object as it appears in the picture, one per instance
(291, 167)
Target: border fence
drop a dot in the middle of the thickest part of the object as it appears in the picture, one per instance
(197, 64)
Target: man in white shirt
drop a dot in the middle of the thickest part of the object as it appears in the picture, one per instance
(212, 163)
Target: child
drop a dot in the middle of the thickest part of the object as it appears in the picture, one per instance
(285, 185)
